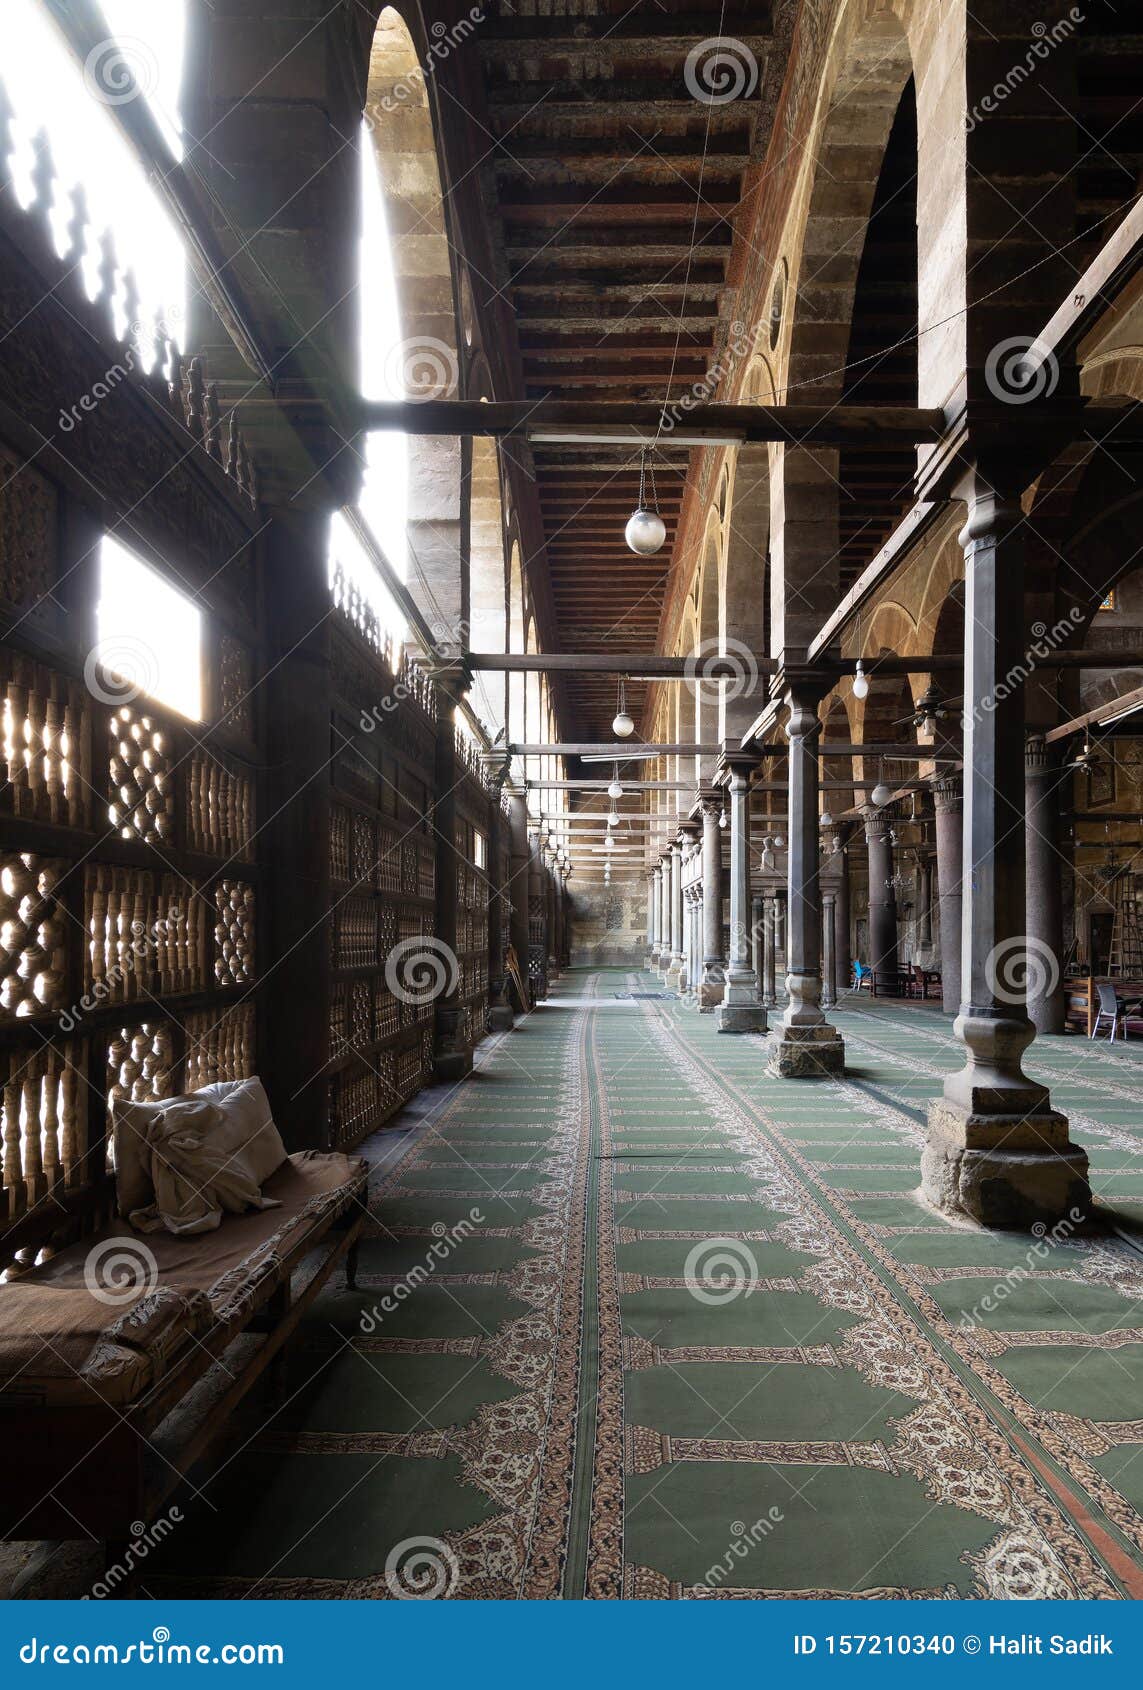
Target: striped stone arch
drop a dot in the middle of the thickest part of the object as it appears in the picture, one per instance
(855, 115)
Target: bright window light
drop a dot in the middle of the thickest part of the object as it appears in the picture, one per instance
(384, 498)
(74, 102)
(148, 634)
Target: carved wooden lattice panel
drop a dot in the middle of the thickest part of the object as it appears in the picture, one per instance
(141, 1063)
(219, 1046)
(142, 802)
(235, 683)
(29, 523)
(220, 808)
(45, 740)
(44, 1129)
(234, 933)
(33, 936)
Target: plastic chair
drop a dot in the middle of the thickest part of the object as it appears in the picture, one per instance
(1111, 1009)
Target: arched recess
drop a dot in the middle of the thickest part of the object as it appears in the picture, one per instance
(836, 731)
(707, 695)
(743, 622)
(489, 627)
(813, 520)
(424, 361)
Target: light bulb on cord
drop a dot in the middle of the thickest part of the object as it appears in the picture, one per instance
(615, 790)
(613, 819)
(722, 819)
(826, 820)
(646, 530)
(623, 725)
(779, 841)
(860, 682)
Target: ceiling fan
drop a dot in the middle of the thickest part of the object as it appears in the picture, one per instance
(928, 710)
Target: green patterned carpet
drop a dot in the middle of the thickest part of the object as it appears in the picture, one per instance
(639, 1319)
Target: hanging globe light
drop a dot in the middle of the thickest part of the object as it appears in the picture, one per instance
(881, 795)
(623, 725)
(646, 530)
(825, 820)
(779, 841)
(860, 682)
(615, 790)
(613, 818)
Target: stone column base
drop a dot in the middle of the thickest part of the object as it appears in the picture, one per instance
(806, 1053)
(650, 962)
(995, 1182)
(501, 1018)
(710, 995)
(673, 977)
(742, 1018)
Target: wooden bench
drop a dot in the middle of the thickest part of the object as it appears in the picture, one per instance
(88, 1388)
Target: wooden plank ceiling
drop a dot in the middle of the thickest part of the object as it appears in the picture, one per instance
(617, 264)
(616, 192)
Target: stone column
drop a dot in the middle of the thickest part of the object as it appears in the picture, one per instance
(518, 822)
(925, 899)
(882, 898)
(843, 962)
(1045, 905)
(677, 959)
(452, 1047)
(741, 1011)
(713, 983)
(664, 961)
(996, 1148)
(950, 839)
(652, 916)
(805, 1044)
(829, 966)
(770, 953)
(758, 942)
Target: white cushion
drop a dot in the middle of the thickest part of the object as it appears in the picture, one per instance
(184, 1162)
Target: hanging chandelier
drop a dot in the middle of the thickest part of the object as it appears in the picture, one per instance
(646, 530)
